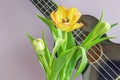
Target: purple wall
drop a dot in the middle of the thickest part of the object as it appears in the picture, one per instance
(18, 61)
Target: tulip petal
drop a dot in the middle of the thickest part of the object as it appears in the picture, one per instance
(52, 15)
(73, 15)
(63, 27)
(61, 13)
(77, 25)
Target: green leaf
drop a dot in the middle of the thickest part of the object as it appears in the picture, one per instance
(30, 37)
(70, 40)
(72, 64)
(59, 63)
(41, 62)
(41, 58)
(88, 38)
(47, 52)
(58, 43)
(59, 33)
(64, 36)
(100, 29)
(59, 51)
(82, 64)
(44, 64)
(113, 25)
(51, 26)
(101, 17)
(98, 41)
(68, 67)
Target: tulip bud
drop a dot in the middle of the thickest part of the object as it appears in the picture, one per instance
(101, 28)
(105, 27)
(39, 46)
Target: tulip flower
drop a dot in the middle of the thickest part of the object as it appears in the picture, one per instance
(66, 19)
(95, 36)
(39, 46)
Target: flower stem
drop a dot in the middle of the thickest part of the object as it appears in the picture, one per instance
(64, 36)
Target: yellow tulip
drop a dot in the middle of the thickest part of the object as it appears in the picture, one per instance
(66, 19)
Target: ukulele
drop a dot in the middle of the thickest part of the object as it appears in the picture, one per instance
(103, 58)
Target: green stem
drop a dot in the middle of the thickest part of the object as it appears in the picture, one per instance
(45, 64)
(64, 36)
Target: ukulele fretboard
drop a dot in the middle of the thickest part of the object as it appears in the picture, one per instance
(45, 6)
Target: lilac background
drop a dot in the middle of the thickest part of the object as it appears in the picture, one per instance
(18, 60)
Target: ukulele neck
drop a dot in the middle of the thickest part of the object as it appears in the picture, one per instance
(45, 6)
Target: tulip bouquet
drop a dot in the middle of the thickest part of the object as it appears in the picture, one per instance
(60, 63)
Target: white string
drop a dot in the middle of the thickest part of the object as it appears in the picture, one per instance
(73, 31)
(96, 53)
(102, 52)
(36, 4)
(92, 63)
(94, 59)
(99, 71)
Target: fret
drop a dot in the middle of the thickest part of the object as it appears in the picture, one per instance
(50, 4)
(35, 1)
(42, 5)
(46, 0)
(42, 2)
(45, 6)
(47, 13)
(42, 10)
(54, 8)
(48, 8)
(39, 5)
